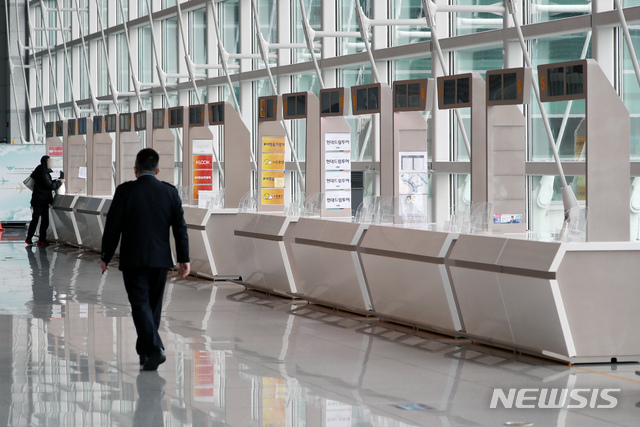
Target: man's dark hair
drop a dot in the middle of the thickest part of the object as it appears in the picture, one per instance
(147, 161)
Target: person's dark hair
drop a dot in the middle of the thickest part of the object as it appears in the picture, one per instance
(43, 161)
(147, 161)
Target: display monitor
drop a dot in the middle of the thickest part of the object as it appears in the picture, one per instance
(295, 106)
(450, 92)
(59, 129)
(494, 82)
(400, 96)
(373, 98)
(417, 93)
(361, 104)
(110, 123)
(366, 99)
(455, 91)
(176, 117)
(97, 124)
(574, 79)
(462, 90)
(410, 95)
(216, 113)
(71, 127)
(555, 78)
(82, 126)
(140, 120)
(48, 128)
(125, 122)
(268, 108)
(332, 102)
(290, 103)
(196, 115)
(510, 86)
(563, 81)
(158, 118)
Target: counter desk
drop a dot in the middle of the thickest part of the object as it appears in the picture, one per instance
(210, 242)
(262, 243)
(329, 269)
(576, 302)
(407, 276)
(87, 212)
(64, 228)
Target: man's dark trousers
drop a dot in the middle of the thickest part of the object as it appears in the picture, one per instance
(145, 288)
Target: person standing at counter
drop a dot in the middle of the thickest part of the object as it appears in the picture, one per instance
(41, 199)
(143, 212)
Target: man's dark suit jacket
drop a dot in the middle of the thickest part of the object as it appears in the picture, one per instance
(142, 212)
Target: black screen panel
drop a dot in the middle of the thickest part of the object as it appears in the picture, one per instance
(449, 92)
(462, 93)
(555, 77)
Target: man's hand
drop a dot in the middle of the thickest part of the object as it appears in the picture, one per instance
(103, 266)
(62, 180)
(185, 269)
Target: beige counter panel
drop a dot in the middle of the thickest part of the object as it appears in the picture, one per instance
(329, 269)
(406, 275)
(260, 243)
(601, 290)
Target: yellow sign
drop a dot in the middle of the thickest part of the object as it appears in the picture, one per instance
(273, 162)
(273, 144)
(272, 196)
(272, 179)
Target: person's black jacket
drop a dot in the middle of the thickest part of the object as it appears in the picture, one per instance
(142, 211)
(44, 186)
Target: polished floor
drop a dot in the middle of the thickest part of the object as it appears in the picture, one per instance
(240, 358)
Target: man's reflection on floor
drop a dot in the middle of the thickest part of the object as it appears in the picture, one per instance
(150, 393)
(42, 303)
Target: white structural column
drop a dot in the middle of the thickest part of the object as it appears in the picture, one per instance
(440, 128)
(245, 36)
(602, 41)
(18, 78)
(52, 64)
(67, 62)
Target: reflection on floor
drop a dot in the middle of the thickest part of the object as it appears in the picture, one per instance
(240, 358)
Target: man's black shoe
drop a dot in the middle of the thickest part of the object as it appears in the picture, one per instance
(155, 360)
(143, 359)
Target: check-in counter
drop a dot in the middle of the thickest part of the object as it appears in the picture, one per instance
(64, 221)
(90, 227)
(569, 301)
(263, 243)
(406, 273)
(329, 269)
(220, 235)
(210, 242)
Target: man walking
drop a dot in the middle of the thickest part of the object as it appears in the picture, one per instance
(142, 212)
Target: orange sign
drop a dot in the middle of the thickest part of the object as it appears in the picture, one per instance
(203, 176)
(273, 144)
(203, 161)
(272, 179)
(273, 162)
(272, 196)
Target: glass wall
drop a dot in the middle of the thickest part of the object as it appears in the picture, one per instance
(472, 40)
